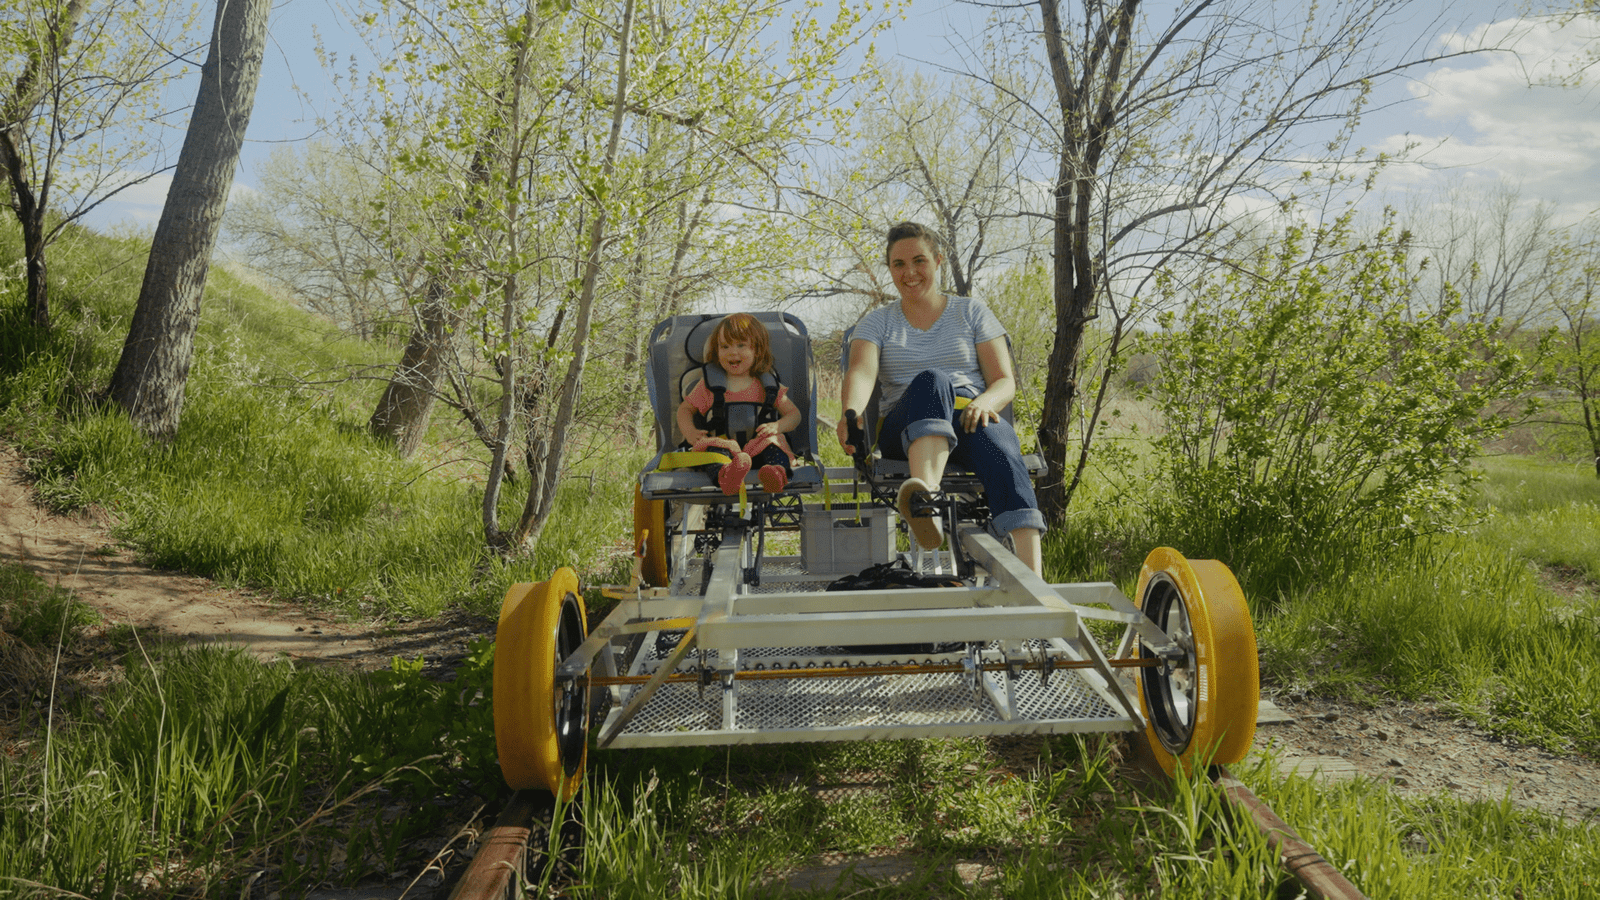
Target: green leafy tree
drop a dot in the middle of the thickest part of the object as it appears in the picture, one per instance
(576, 173)
(77, 79)
(1574, 363)
(1168, 130)
(1309, 415)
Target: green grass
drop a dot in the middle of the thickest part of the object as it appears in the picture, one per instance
(272, 481)
(1546, 513)
(198, 765)
(736, 823)
(1468, 622)
(36, 613)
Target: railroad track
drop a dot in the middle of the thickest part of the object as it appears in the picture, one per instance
(513, 854)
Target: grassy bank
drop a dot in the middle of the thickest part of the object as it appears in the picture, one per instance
(272, 481)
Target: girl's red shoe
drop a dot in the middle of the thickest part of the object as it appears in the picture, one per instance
(731, 475)
(773, 479)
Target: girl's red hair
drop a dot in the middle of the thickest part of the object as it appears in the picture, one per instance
(742, 327)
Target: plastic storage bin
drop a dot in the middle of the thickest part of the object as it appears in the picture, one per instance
(837, 542)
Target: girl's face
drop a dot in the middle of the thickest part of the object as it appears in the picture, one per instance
(735, 355)
(914, 266)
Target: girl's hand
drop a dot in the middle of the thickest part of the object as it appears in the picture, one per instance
(692, 436)
(767, 429)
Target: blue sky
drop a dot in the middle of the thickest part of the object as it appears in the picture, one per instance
(1478, 123)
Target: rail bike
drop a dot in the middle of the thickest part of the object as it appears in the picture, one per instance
(730, 634)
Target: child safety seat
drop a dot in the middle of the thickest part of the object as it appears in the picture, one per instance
(738, 419)
(676, 360)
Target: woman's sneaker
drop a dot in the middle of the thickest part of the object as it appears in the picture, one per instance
(918, 505)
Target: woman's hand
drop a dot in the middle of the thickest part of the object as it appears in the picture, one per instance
(978, 414)
(843, 431)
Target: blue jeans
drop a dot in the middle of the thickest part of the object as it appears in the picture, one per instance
(992, 452)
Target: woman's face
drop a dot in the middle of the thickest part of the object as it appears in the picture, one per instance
(914, 266)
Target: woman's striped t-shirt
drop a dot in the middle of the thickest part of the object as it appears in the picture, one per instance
(950, 346)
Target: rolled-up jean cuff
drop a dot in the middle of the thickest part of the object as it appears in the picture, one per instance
(924, 427)
(1007, 522)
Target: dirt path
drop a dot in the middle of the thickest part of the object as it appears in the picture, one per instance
(1419, 748)
(77, 552)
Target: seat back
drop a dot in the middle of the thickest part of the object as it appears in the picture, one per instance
(677, 351)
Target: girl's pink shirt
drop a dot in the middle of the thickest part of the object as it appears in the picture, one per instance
(700, 398)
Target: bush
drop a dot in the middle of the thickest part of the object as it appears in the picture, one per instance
(1312, 418)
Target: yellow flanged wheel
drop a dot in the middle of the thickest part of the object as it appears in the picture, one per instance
(650, 526)
(541, 732)
(1200, 704)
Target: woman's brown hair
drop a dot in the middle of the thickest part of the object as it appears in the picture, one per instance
(911, 230)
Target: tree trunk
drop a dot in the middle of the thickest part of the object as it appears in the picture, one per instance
(1088, 114)
(150, 377)
(30, 204)
(30, 213)
(33, 244)
(544, 480)
(1074, 303)
(1590, 423)
(407, 403)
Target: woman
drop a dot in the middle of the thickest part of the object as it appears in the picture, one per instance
(945, 370)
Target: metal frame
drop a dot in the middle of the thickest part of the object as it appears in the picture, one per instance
(750, 648)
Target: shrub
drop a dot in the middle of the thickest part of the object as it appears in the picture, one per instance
(1312, 417)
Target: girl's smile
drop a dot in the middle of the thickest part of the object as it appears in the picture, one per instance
(736, 357)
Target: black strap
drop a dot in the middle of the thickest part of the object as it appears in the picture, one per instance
(890, 576)
(715, 420)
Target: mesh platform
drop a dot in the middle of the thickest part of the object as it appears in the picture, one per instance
(867, 707)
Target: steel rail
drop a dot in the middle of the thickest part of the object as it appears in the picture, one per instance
(1318, 876)
(500, 866)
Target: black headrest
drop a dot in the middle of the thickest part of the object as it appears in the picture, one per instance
(694, 344)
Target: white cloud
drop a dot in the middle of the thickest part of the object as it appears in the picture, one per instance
(139, 207)
(1492, 121)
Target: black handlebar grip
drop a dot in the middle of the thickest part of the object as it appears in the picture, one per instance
(857, 437)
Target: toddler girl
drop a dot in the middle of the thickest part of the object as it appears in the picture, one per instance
(741, 351)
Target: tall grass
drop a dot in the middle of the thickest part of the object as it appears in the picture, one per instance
(966, 822)
(1544, 512)
(198, 766)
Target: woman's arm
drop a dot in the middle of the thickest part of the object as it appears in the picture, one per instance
(994, 358)
(860, 377)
